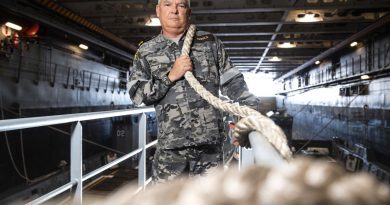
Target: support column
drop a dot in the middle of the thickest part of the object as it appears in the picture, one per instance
(142, 158)
(76, 162)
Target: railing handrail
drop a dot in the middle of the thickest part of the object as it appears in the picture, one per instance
(76, 175)
(257, 140)
(31, 122)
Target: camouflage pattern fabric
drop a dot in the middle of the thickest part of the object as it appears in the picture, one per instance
(184, 118)
(189, 161)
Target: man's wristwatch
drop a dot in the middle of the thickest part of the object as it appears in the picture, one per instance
(165, 80)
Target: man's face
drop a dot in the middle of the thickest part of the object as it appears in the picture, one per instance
(173, 14)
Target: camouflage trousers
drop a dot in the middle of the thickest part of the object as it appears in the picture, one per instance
(185, 162)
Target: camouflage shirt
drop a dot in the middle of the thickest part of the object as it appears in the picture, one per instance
(184, 118)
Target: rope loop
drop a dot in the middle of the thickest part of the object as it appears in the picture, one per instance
(251, 119)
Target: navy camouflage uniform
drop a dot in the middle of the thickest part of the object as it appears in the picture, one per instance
(189, 129)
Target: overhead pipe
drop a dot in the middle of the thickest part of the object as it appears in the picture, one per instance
(84, 22)
(379, 23)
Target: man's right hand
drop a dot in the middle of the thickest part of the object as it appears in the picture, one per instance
(180, 67)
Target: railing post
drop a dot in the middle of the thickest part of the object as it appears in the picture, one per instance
(76, 162)
(264, 153)
(246, 158)
(142, 158)
(239, 158)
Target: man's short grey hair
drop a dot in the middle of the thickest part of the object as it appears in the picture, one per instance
(189, 2)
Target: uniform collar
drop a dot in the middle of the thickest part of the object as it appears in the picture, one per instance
(162, 38)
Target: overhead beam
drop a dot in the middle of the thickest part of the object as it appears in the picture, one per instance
(273, 37)
(31, 14)
(195, 11)
(268, 70)
(279, 53)
(274, 47)
(264, 67)
(265, 23)
(256, 23)
(338, 31)
(258, 57)
(277, 8)
(153, 30)
(381, 22)
(280, 40)
(81, 21)
(284, 33)
(267, 63)
(232, 57)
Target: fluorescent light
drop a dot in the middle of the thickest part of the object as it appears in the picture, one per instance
(153, 22)
(365, 77)
(270, 113)
(286, 45)
(275, 58)
(353, 44)
(82, 46)
(317, 62)
(13, 26)
(308, 17)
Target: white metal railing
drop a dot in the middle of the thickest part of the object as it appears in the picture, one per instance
(76, 177)
(262, 152)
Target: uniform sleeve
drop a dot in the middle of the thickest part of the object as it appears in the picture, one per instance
(232, 81)
(143, 86)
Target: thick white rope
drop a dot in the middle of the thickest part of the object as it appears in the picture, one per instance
(252, 120)
(302, 181)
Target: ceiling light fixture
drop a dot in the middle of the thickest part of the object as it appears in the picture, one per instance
(275, 58)
(13, 26)
(153, 22)
(317, 62)
(286, 45)
(308, 17)
(365, 77)
(82, 46)
(353, 44)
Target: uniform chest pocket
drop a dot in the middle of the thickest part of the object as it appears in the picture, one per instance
(160, 64)
(204, 64)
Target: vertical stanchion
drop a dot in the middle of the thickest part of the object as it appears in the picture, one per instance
(142, 158)
(386, 51)
(240, 158)
(76, 162)
(379, 57)
(264, 153)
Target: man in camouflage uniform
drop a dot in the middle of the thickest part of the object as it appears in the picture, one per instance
(189, 136)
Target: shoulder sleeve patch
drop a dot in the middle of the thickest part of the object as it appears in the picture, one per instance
(136, 56)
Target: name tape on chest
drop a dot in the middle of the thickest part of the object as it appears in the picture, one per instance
(203, 38)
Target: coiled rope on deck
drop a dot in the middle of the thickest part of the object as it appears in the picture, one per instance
(252, 120)
(303, 181)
